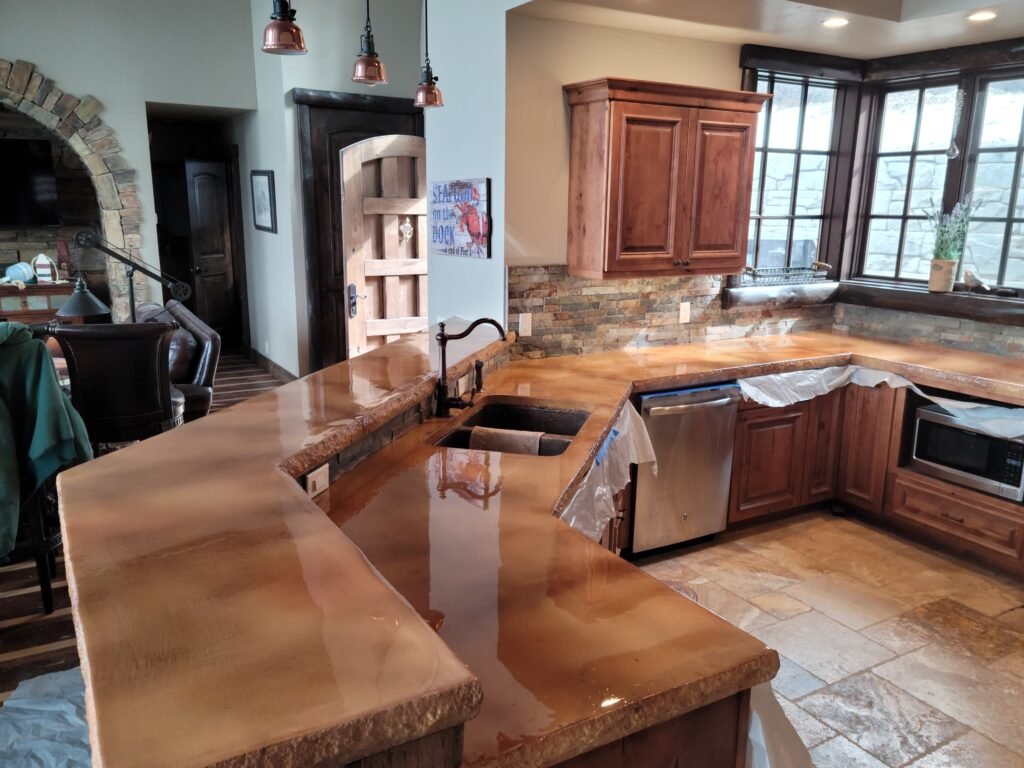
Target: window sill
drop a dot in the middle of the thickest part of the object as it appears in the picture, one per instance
(913, 298)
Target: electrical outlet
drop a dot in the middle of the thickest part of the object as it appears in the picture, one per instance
(318, 480)
(526, 324)
(684, 311)
(462, 386)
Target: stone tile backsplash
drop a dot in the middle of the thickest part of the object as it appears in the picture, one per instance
(573, 315)
(930, 329)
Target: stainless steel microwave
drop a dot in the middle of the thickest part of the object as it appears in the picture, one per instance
(946, 448)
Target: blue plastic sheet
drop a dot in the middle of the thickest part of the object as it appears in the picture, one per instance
(42, 724)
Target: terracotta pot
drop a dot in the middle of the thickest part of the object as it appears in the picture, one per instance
(942, 276)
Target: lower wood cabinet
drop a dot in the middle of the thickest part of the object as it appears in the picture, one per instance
(868, 416)
(960, 518)
(824, 432)
(768, 461)
(618, 535)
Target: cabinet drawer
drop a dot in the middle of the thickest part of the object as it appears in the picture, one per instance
(971, 521)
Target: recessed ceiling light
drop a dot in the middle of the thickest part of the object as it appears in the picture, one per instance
(835, 22)
(982, 16)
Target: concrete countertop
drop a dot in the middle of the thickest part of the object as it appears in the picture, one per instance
(223, 618)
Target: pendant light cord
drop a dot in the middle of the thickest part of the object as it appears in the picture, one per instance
(426, 34)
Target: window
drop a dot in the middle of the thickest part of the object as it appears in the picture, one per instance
(909, 180)
(791, 167)
(995, 241)
(912, 176)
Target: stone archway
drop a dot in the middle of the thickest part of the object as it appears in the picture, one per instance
(76, 121)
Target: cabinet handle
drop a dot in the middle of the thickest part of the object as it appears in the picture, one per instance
(676, 262)
(954, 518)
(686, 262)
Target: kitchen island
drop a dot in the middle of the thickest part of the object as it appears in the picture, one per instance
(223, 618)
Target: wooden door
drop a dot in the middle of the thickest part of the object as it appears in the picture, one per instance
(768, 461)
(384, 210)
(718, 195)
(210, 248)
(867, 426)
(646, 223)
(824, 425)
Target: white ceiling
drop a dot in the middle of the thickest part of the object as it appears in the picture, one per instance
(877, 27)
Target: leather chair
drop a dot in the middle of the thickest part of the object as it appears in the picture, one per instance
(120, 381)
(194, 354)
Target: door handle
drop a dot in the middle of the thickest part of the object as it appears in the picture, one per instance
(667, 410)
(353, 300)
(196, 270)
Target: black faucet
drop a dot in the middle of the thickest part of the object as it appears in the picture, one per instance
(445, 402)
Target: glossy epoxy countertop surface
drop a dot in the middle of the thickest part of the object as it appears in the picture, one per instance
(220, 612)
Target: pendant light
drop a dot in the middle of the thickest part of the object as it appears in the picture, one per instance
(368, 69)
(282, 35)
(427, 94)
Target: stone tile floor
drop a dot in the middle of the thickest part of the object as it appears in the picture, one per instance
(893, 654)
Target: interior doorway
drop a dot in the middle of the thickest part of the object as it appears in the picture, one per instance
(197, 194)
(329, 122)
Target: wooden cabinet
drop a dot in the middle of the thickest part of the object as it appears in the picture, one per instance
(868, 414)
(659, 178)
(618, 535)
(34, 303)
(768, 461)
(824, 428)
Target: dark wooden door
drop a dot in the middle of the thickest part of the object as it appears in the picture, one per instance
(824, 427)
(864, 457)
(646, 222)
(768, 461)
(719, 191)
(210, 246)
(329, 122)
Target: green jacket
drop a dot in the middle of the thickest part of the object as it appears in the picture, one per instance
(40, 432)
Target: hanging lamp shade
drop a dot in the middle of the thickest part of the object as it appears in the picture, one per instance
(427, 94)
(282, 35)
(368, 69)
(83, 303)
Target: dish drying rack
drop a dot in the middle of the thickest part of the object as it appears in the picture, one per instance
(761, 276)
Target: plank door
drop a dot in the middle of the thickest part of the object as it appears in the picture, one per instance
(213, 281)
(384, 210)
(864, 455)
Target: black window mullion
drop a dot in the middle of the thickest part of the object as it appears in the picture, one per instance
(796, 174)
(1011, 212)
(764, 170)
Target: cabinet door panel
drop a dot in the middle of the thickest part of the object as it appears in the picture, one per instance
(768, 461)
(824, 425)
(867, 427)
(719, 205)
(647, 165)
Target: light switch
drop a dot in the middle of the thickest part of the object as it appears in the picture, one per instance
(318, 480)
(526, 324)
(684, 311)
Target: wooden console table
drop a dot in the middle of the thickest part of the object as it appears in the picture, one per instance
(35, 303)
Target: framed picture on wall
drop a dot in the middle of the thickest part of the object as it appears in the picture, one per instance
(264, 205)
(460, 218)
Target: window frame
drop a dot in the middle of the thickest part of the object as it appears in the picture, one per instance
(797, 153)
(959, 171)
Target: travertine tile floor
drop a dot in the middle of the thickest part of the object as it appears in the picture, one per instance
(893, 654)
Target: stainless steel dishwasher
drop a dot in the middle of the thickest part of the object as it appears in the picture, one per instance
(692, 431)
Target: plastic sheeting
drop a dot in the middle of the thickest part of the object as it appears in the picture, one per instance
(593, 504)
(42, 724)
(773, 741)
(781, 389)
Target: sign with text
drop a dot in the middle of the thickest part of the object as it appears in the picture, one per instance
(460, 218)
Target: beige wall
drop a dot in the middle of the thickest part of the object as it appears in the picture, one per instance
(542, 56)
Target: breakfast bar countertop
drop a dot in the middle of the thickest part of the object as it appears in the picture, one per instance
(223, 618)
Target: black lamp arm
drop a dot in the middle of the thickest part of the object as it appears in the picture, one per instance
(180, 290)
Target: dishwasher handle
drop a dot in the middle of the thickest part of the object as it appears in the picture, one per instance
(669, 410)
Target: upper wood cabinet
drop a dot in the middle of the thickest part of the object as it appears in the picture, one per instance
(659, 178)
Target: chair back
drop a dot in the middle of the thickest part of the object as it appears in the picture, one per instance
(119, 377)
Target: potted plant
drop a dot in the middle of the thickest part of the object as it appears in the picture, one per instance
(950, 234)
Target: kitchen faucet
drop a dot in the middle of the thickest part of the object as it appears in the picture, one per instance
(445, 402)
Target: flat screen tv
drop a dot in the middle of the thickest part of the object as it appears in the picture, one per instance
(28, 186)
